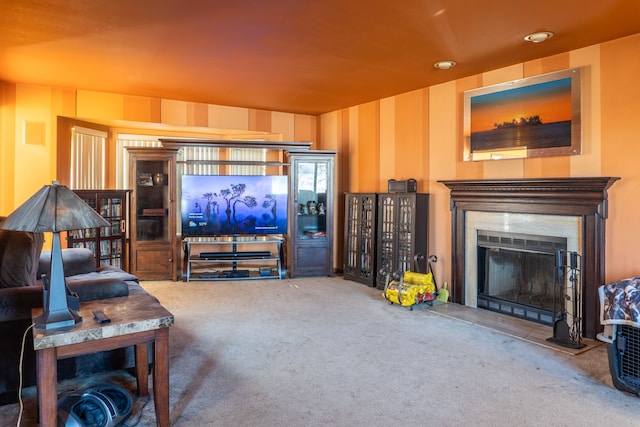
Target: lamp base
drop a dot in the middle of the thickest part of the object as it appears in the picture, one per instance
(57, 319)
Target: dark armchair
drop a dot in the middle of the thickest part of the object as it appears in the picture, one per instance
(21, 263)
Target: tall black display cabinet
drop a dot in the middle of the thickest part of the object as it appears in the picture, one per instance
(360, 238)
(311, 206)
(402, 233)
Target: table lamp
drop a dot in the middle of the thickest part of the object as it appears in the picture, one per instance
(54, 208)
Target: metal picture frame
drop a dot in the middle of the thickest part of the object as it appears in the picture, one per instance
(530, 117)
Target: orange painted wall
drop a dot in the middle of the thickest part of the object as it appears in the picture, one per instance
(419, 134)
(411, 142)
(27, 164)
(368, 147)
(7, 148)
(620, 154)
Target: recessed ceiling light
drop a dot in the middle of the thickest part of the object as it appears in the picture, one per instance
(539, 36)
(444, 65)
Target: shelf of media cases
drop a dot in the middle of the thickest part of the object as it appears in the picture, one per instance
(233, 258)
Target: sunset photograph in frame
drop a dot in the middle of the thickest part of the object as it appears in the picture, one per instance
(531, 117)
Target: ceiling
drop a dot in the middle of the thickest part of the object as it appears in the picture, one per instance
(297, 56)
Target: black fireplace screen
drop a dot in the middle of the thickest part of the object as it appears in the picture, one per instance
(516, 274)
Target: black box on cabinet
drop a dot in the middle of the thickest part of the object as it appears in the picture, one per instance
(405, 186)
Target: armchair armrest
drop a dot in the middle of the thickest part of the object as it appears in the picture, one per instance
(17, 303)
(99, 288)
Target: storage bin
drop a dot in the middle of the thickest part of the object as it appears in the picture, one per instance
(620, 315)
(623, 351)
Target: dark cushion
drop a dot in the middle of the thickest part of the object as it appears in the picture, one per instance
(98, 288)
(19, 257)
(75, 261)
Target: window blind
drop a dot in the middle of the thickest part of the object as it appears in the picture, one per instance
(88, 170)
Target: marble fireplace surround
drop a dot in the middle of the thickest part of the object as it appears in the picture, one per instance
(583, 200)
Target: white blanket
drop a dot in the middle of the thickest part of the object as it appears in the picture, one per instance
(620, 302)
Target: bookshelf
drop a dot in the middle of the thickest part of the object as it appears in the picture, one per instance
(109, 244)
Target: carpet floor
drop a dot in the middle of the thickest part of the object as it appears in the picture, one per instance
(330, 352)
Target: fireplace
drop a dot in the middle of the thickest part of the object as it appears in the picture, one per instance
(517, 274)
(496, 224)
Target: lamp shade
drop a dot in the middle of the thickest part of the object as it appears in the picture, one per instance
(54, 208)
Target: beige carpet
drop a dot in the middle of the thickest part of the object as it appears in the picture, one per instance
(330, 352)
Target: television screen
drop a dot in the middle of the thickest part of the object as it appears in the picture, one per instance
(215, 205)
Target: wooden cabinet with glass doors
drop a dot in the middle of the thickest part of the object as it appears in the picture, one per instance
(311, 207)
(153, 213)
(402, 234)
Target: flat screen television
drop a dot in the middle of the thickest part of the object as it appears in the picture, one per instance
(222, 205)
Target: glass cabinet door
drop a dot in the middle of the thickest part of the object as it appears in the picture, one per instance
(397, 230)
(405, 232)
(352, 235)
(311, 199)
(152, 201)
(367, 238)
(111, 245)
(360, 237)
(386, 236)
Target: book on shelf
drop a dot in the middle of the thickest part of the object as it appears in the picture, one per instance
(314, 234)
(115, 229)
(105, 248)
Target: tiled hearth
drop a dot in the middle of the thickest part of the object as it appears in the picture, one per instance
(573, 208)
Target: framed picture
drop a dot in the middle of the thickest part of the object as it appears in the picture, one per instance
(145, 179)
(531, 117)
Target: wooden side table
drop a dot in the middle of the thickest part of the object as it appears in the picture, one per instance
(135, 320)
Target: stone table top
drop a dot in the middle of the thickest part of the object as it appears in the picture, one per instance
(130, 314)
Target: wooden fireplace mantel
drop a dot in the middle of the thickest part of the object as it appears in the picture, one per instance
(584, 196)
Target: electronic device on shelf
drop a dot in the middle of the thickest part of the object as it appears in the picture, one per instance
(232, 255)
(236, 273)
(264, 271)
(225, 205)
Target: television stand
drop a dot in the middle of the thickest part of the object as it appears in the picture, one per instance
(233, 258)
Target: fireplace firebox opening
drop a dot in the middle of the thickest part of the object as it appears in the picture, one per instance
(516, 274)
